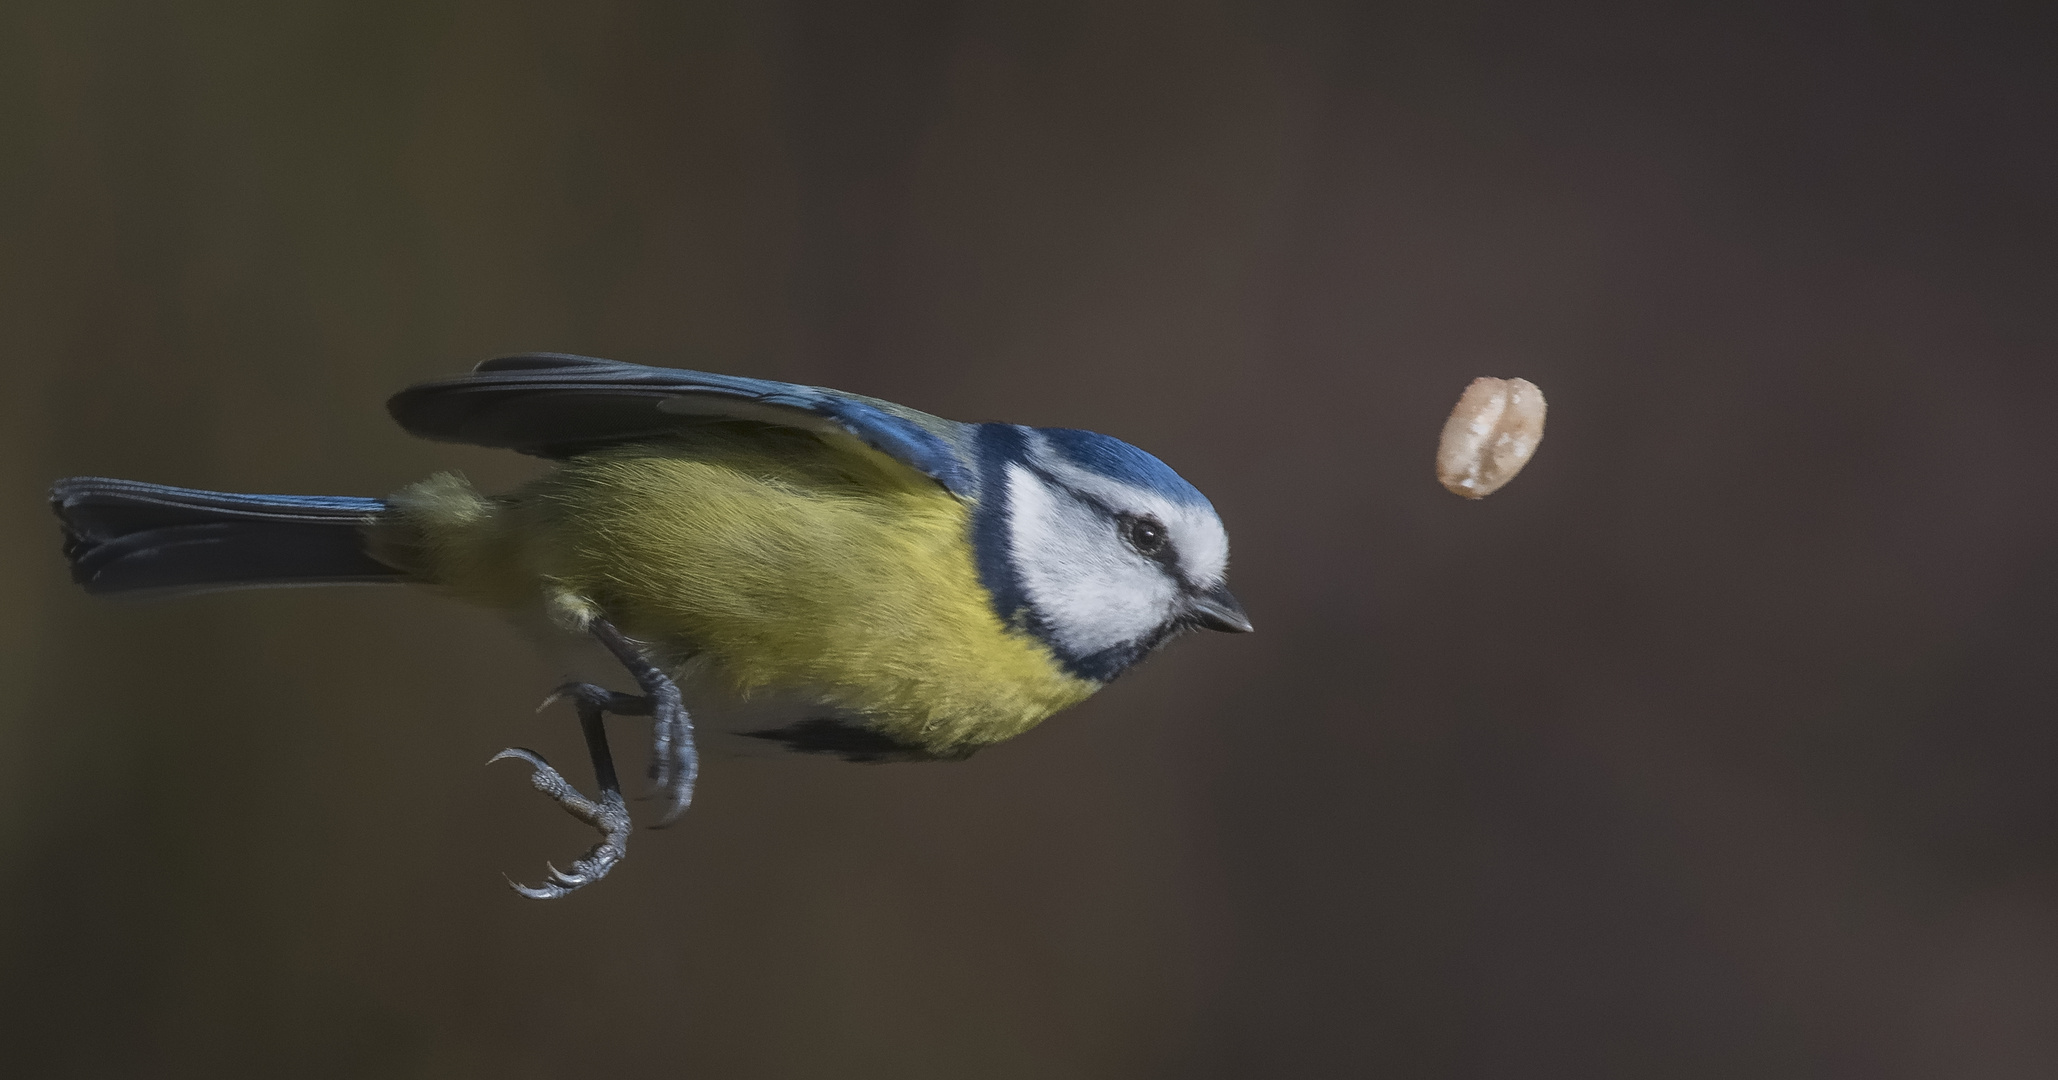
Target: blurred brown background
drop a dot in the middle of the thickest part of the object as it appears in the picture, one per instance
(1720, 744)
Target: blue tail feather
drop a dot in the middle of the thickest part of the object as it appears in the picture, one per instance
(126, 536)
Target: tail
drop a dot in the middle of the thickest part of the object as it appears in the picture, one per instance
(126, 536)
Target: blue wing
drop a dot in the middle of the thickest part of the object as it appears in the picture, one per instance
(555, 405)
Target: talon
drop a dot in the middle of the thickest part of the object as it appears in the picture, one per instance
(606, 815)
(682, 797)
(518, 753)
(537, 892)
(593, 695)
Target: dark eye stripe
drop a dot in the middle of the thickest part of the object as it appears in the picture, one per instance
(1147, 535)
(1164, 552)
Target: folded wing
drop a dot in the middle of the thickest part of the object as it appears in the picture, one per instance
(556, 405)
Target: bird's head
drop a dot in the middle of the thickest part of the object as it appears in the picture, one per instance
(1097, 548)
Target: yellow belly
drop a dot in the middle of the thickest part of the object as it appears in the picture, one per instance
(790, 566)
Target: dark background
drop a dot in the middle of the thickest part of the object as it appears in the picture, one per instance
(1719, 744)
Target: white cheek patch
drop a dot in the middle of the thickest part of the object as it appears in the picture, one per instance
(1195, 531)
(1092, 589)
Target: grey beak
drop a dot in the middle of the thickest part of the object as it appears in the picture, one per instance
(1217, 610)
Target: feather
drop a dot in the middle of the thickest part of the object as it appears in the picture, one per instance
(130, 536)
(791, 567)
(557, 405)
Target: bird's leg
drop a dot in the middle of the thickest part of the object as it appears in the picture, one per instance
(608, 814)
(674, 762)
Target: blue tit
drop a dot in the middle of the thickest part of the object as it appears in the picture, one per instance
(801, 568)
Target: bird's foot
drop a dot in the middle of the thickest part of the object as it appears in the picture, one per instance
(674, 764)
(674, 761)
(606, 814)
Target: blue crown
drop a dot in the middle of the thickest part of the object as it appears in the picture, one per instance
(1117, 460)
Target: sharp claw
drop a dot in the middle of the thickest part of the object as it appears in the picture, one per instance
(605, 815)
(669, 817)
(537, 892)
(559, 883)
(576, 692)
(593, 695)
(520, 754)
(682, 797)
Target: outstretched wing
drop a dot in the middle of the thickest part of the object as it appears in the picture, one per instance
(555, 405)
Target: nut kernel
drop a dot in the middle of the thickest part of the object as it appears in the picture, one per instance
(1491, 434)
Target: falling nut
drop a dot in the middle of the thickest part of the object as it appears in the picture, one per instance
(1490, 436)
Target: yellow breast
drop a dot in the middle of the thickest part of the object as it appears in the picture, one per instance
(788, 564)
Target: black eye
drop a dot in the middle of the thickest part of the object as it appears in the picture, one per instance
(1145, 534)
